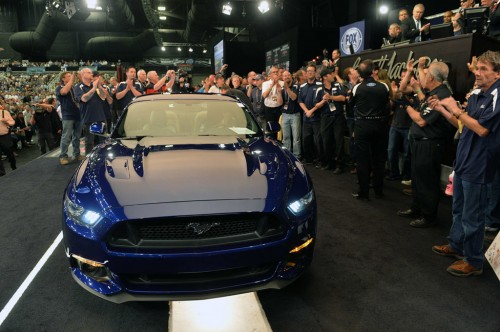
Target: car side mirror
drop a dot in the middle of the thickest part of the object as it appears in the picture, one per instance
(272, 127)
(98, 128)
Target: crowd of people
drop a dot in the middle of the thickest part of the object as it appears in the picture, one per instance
(8, 64)
(318, 106)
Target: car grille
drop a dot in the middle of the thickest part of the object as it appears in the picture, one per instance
(198, 231)
(198, 280)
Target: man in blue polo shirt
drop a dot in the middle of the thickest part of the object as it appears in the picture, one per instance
(311, 136)
(92, 97)
(71, 119)
(476, 163)
(127, 90)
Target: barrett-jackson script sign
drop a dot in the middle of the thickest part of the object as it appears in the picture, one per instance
(455, 51)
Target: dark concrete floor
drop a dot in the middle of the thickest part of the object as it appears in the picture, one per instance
(371, 271)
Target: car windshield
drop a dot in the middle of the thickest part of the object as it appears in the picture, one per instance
(169, 118)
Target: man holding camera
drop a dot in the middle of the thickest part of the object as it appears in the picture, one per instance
(93, 98)
(428, 134)
(157, 85)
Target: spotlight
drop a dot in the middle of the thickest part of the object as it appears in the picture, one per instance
(163, 18)
(91, 4)
(190, 49)
(56, 4)
(162, 8)
(179, 49)
(204, 50)
(263, 7)
(163, 48)
(226, 9)
(383, 9)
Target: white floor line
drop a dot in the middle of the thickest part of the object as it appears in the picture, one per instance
(20, 291)
(238, 313)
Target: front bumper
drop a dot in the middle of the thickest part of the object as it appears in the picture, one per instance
(195, 274)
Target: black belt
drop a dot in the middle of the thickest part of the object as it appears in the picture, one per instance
(371, 117)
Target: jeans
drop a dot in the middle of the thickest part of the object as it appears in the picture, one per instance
(292, 133)
(467, 230)
(71, 132)
(398, 136)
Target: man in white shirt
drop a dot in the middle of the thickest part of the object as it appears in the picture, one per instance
(271, 93)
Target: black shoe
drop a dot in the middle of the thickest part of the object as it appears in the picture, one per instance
(392, 178)
(421, 223)
(306, 162)
(326, 168)
(408, 213)
(379, 195)
(338, 170)
(360, 196)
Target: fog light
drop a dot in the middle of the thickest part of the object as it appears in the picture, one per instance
(92, 269)
(302, 246)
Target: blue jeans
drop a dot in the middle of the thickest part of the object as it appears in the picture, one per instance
(398, 136)
(292, 133)
(467, 230)
(71, 133)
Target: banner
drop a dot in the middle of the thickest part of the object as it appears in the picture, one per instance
(352, 38)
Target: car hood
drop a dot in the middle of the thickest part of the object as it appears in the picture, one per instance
(165, 170)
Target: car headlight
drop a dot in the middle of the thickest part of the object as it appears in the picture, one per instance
(80, 215)
(298, 206)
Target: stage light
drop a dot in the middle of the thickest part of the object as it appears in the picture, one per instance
(190, 49)
(383, 9)
(91, 4)
(179, 49)
(163, 48)
(204, 50)
(163, 18)
(263, 7)
(226, 9)
(162, 8)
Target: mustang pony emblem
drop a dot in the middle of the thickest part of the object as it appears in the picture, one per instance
(199, 229)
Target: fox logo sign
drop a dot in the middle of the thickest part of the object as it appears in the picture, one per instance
(352, 36)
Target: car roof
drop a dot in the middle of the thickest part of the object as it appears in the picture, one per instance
(186, 96)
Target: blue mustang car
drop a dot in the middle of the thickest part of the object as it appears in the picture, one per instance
(188, 199)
